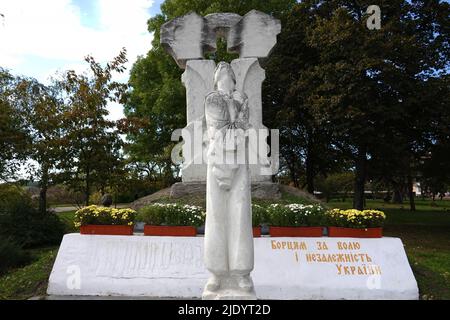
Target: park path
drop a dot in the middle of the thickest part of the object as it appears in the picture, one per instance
(73, 208)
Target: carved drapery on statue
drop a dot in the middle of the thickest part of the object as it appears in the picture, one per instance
(228, 230)
(224, 140)
(188, 39)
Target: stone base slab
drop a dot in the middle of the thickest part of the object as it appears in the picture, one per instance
(285, 268)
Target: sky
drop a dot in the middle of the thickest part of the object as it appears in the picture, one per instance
(41, 37)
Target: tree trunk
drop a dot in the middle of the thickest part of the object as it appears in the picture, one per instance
(360, 179)
(411, 194)
(43, 190)
(398, 196)
(87, 187)
(310, 165)
(294, 178)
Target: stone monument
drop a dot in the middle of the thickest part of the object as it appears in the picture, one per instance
(188, 39)
(223, 103)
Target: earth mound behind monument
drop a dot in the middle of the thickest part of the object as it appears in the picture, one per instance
(195, 194)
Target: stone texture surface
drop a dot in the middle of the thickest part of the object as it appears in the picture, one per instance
(260, 190)
(198, 80)
(182, 189)
(191, 36)
(187, 39)
(228, 247)
(219, 25)
(144, 201)
(168, 267)
(183, 37)
(249, 77)
(254, 35)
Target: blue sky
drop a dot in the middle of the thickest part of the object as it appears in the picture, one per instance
(40, 38)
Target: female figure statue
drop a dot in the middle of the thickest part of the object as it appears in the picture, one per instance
(228, 229)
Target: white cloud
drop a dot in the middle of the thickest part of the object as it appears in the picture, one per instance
(52, 29)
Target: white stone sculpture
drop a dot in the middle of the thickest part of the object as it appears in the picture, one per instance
(228, 231)
(225, 102)
(187, 39)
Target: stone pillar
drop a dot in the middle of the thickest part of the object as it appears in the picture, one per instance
(249, 77)
(187, 39)
(198, 80)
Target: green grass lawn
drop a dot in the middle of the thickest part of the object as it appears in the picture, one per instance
(31, 280)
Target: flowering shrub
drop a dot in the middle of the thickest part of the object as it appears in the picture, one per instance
(259, 215)
(104, 216)
(353, 218)
(296, 215)
(172, 214)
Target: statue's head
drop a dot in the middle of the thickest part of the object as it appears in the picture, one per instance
(224, 77)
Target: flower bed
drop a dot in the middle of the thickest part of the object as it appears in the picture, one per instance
(259, 217)
(174, 231)
(355, 232)
(171, 219)
(103, 220)
(107, 230)
(296, 220)
(295, 231)
(355, 223)
(256, 232)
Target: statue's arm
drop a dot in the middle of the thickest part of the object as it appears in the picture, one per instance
(243, 116)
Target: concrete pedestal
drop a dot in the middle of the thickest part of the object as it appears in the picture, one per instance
(285, 268)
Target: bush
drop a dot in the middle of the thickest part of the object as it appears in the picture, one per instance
(353, 218)
(296, 215)
(334, 184)
(10, 195)
(259, 215)
(11, 255)
(23, 223)
(104, 216)
(172, 214)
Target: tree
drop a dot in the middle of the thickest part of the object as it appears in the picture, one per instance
(92, 143)
(305, 145)
(360, 84)
(43, 116)
(337, 183)
(343, 96)
(14, 139)
(417, 52)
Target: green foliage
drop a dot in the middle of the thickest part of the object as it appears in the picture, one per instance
(14, 139)
(31, 280)
(104, 216)
(260, 215)
(172, 214)
(11, 254)
(345, 96)
(336, 183)
(44, 119)
(11, 194)
(91, 142)
(355, 218)
(68, 218)
(296, 215)
(24, 224)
